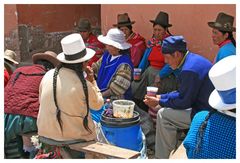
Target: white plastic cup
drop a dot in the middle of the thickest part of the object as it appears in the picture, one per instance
(137, 73)
(152, 91)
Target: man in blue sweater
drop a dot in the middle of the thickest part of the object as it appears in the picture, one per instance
(179, 107)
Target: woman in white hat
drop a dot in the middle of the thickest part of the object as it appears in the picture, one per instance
(212, 135)
(114, 70)
(66, 96)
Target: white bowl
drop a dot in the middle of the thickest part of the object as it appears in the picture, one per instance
(123, 108)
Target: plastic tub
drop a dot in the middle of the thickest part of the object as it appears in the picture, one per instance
(123, 108)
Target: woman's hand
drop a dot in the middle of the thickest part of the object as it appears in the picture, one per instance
(90, 74)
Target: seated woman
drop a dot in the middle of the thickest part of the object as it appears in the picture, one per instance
(21, 104)
(212, 135)
(66, 97)
(153, 60)
(114, 71)
(124, 23)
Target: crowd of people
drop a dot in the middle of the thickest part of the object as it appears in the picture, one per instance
(59, 95)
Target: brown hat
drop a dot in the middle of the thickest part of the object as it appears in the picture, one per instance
(223, 22)
(84, 25)
(10, 56)
(123, 20)
(48, 55)
(162, 19)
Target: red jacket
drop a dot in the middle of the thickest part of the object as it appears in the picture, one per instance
(22, 96)
(93, 43)
(6, 77)
(137, 49)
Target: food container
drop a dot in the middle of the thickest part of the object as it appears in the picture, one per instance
(123, 108)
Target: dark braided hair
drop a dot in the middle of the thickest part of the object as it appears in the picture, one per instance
(77, 67)
(201, 131)
(230, 37)
(46, 64)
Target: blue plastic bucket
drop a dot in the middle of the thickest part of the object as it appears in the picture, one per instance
(123, 132)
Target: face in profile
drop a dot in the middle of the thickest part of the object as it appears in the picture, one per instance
(172, 59)
(218, 37)
(112, 50)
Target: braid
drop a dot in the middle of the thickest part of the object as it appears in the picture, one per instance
(78, 69)
(58, 113)
(201, 130)
(230, 36)
(21, 73)
(169, 32)
(85, 89)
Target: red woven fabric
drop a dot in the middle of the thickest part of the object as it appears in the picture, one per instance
(22, 97)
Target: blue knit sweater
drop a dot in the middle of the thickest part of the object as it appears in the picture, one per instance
(195, 86)
(218, 140)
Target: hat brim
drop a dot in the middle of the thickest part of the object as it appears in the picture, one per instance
(164, 25)
(106, 40)
(216, 102)
(124, 24)
(232, 114)
(10, 59)
(44, 56)
(81, 29)
(89, 55)
(213, 25)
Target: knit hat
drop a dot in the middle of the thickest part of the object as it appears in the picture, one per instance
(173, 43)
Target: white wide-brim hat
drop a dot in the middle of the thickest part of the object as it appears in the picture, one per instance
(223, 77)
(74, 50)
(10, 56)
(116, 38)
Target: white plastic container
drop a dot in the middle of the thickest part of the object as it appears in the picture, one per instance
(152, 91)
(123, 108)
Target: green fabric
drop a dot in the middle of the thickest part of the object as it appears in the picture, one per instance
(15, 125)
(14, 148)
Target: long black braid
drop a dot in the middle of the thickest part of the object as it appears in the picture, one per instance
(78, 69)
(200, 133)
(46, 64)
(230, 37)
(58, 113)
